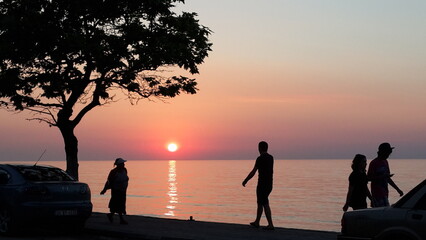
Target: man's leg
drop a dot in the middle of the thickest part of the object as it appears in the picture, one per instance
(382, 202)
(268, 215)
(259, 196)
(122, 221)
(258, 216)
(259, 213)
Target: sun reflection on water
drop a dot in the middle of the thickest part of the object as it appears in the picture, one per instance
(172, 190)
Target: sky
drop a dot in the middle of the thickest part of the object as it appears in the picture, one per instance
(315, 79)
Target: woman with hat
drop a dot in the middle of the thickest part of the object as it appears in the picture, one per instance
(117, 181)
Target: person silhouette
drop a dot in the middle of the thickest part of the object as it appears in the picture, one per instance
(380, 176)
(358, 185)
(117, 181)
(265, 165)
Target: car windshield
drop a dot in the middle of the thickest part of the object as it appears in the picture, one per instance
(43, 174)
(409, 195)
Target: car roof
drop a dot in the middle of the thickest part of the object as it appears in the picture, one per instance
(20, 168)
(29, 166)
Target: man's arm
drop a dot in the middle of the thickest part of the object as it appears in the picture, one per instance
(250, 175)
(393, 184)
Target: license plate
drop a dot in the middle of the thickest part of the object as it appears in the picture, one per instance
(65, 212)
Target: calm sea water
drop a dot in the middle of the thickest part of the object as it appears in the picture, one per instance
(307, 194)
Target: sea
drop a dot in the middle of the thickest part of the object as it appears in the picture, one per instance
(307, 194)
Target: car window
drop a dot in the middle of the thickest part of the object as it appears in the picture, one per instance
(4, 176)
(43, 174)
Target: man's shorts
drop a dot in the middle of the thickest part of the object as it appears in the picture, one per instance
(382, 202)
(262, 194)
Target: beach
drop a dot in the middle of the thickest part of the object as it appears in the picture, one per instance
(141, 227)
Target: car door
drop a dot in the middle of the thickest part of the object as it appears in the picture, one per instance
(4, 180)
(416, 217)
(10, 182)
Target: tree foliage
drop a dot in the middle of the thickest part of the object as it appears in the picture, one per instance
(57, 54)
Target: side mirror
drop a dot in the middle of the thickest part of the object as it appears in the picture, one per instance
(4, 178)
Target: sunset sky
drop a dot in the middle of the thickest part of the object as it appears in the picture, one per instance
(315, 79)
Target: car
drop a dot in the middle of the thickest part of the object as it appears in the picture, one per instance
(404, 220)
(33, 194)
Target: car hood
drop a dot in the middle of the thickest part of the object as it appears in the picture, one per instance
(368, 210)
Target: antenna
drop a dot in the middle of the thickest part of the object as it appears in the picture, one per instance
(40, 157)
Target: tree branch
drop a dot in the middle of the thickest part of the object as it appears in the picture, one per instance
(42, 120)
(44, 111)
(56, 105)
(95, 102)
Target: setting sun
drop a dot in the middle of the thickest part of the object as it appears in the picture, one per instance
(172, 147)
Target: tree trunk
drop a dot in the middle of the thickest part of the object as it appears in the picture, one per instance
(71, 150)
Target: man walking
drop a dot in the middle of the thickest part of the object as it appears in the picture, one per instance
(265, 165)
(379, 175)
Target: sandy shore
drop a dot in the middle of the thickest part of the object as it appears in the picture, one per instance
(141, 227)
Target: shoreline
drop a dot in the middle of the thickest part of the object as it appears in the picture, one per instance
(141, 227)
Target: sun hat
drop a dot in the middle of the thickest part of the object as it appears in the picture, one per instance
(119, 161)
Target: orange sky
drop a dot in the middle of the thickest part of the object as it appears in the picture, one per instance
(315, 80)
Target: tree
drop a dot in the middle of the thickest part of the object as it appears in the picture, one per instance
(62, 58)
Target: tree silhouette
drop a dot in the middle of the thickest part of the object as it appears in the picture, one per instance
(62, 58)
